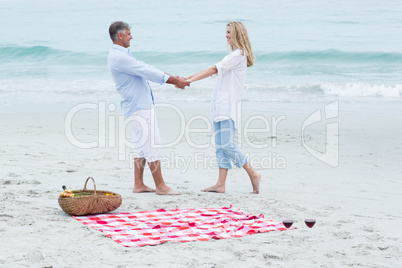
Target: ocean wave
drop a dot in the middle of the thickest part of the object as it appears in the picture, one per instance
(319, 56)
(330, 56)
(287, 93)
(262, 93)
(42, 87)
(362, 90)
(80, 89)
(49, 55)
(13, 53)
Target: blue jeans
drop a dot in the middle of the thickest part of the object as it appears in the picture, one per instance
(225, 148)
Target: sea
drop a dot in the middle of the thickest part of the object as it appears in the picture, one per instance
(53, 54)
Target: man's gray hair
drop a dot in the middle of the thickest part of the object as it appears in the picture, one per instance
(118, 27)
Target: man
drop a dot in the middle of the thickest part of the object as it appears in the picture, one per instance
(137, 103)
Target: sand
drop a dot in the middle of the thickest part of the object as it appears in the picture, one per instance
(356, 203)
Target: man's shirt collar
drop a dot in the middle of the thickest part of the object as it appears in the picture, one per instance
(123, 49)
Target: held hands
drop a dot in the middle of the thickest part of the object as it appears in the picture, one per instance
(181, 82)
(189, 78)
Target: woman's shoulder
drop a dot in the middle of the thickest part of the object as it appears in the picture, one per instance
(237, 52)
(233, 58)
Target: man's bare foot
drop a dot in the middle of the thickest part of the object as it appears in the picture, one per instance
(255, 181)
(143, 189)
(166, 190)
(215, 189)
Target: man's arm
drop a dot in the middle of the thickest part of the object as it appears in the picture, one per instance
(179, 82)
(123, 63)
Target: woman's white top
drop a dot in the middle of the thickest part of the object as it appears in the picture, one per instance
(229, 85)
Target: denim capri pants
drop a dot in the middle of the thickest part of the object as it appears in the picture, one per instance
(225, 149)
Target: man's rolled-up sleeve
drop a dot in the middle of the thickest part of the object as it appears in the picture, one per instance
(166, 77)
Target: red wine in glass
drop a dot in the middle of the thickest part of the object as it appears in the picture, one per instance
(287, 223)
(309, 222)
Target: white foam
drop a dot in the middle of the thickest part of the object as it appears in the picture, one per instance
(362, 90)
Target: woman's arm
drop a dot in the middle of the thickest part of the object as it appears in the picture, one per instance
(202, 74)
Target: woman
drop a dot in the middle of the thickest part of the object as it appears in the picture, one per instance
(226, 98)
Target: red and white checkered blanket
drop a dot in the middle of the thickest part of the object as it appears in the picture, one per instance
(155, 227)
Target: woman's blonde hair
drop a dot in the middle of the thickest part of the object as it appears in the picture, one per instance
(240, 40)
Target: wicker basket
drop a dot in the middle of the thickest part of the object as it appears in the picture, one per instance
(97, 202)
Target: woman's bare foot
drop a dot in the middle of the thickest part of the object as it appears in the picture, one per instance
(143, 189)
(215, 189)
(166, 190)
(255, 181)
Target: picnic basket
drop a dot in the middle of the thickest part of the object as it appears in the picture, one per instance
(86, 202)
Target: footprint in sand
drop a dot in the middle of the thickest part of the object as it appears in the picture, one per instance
(343, 235)
(5, 217)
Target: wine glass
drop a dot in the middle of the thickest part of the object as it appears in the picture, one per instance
(309, 222)
(287, 223)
